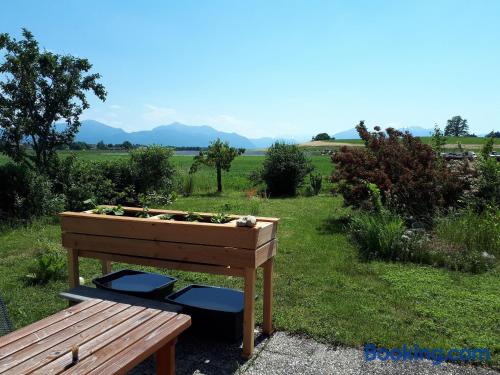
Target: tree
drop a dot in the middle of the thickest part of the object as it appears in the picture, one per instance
(220, 156)
(493, 134)
(438, 140)
(322, 137)
(127, 145)
(456, 127)
(101, 145)
(37, 89)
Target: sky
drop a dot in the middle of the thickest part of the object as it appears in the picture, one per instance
(279, 68)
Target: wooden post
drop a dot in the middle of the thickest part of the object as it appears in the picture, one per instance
(73, 268)
(165, 359)
(249, 313)
(268, 296)
(106, 266)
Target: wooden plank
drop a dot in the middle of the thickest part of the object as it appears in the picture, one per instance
(90, 347)
(30, 340)
(85, 331)
(105, 267)
(159, 230)
(18, 334)
(73, 268)
(268, 297)
(165, 359)
(249, 313)
(226, 256)
(194, 267)
(265, 252)
(142, 348)
(99, 354)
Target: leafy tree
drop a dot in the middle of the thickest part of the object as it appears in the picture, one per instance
(456, 127)
(487, 148)
(322, 137)
(37, 89)
(220, 156)
(438, 140)
(127, 145)
(493, 134)
(284, 169)
(79, 146)
(101, 145)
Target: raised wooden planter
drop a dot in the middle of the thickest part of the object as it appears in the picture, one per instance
(192, 246)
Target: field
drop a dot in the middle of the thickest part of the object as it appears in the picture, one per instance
(322, 289)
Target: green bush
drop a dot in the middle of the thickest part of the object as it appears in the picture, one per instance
(378, 235)
(315, 180)
(284, 169)
(152, 169)
(49, 264)
(26, 194)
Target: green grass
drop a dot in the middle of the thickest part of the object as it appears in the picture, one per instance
(322, 289)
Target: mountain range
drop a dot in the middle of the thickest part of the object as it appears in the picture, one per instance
(174, 134)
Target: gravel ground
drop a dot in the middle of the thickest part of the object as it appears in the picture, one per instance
(289, 354)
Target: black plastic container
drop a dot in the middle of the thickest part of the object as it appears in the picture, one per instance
(137, 283)
(217, 312)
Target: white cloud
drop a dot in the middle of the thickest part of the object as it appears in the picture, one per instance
(159, 115)
(115, 107)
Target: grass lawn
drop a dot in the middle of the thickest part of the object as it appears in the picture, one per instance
(321, 288)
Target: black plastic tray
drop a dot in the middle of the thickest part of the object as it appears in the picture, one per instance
(137, 283)
(214, 311)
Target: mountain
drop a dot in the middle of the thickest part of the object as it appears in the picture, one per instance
(417, 131)
(175, 134)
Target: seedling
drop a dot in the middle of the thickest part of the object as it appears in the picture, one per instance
(144, 213)
(166, 217)
(193, 216)
(220, 218)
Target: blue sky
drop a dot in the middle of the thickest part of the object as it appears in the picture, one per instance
(279, 68)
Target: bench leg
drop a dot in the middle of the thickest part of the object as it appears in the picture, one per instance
(165, 359)
(73, 268)
(268, 297)
(249, 313)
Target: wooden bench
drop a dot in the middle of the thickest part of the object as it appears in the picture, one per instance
(111, 337)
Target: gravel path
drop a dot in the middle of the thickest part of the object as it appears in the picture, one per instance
(289, 354)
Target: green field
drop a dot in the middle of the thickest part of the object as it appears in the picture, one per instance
(322, 289)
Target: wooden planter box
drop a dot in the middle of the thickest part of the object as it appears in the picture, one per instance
(190, 246)
(199, 242)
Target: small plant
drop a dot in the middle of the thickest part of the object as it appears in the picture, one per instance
(188, 185)
(166, 217)
(102, 210)
(220, 218)
(193, 216)
(315, 180)
(144, 214)
(49, 264)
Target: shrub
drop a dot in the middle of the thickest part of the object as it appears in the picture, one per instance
(284, 169)
(26, 194)
(315, 180)
(188, 185)
(412, 180)
(486, 190)
(49, 264)
(152, 169)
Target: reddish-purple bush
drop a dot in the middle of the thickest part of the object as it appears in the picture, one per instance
(412, 180)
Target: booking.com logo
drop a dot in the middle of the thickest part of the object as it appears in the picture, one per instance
(416, 353)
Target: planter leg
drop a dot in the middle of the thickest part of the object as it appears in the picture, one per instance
(249, 313)
(106, 267)
(73, 268)
(268, 296)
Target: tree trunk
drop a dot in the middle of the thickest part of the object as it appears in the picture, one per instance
(219, 179)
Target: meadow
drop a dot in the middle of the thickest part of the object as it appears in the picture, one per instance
(322, 289)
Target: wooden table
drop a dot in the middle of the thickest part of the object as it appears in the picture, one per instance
(112, 338)
(197, 247)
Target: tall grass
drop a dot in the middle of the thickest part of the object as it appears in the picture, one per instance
(476, 232)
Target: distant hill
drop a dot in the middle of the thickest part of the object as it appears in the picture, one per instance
(175, 134)
(417, 131)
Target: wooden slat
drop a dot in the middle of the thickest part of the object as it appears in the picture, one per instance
(99, 354)
(165, 359)
(46, 351)
(268, 297)
(145, 346)
(194, 267)
(86, 350)
(16, 335)
(263, 253)
(150, 229)
(249, 313)
(226, 256)
(30, 340)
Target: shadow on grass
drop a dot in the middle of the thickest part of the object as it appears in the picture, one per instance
(334, 225)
